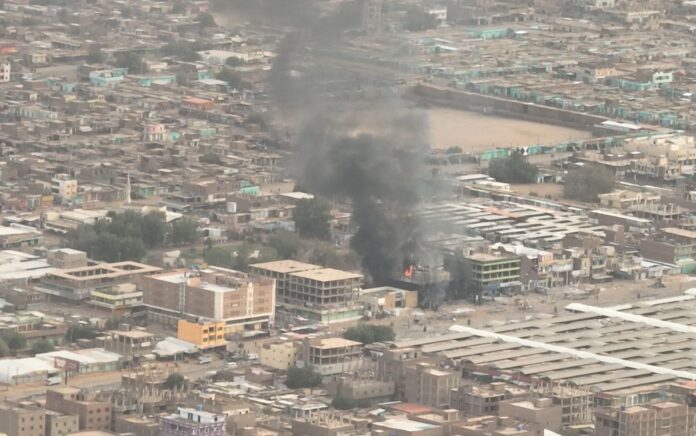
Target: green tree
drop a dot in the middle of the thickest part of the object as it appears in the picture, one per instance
(79, 331)
(234, 61)
(179, 7)
(343, 402)
(4, 349)
(42, 346)
(368, 333)
(30, 21)
(305, 377)
(14, 340)
(220, 256)
(206, 20)
(186, 51)
(96, 56)
(585, 184)
(127, 12)
(153, 229)
(286, 244)
(175, 381)
(312, 218)
(513, 169)
(454, 150)
(232, 78)
(184, 231)
(132, 61)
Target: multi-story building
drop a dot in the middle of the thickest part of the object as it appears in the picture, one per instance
(137, 425)
(240, 301)
(204, 334)
(330, 356)
(5, 71)
(391, 367)
(428, 385)
(17, 236)
(22, 419)
(67, 258)
(321, 294)
(476, 401)
(192, 422)
(58, 424)
(154, 132)
(64, 187)
(280, 355)
(92, 414)
(542, 411)
(119, 300)
(81, 283)
(673, 246)
(479, 272)
(657, 419)
(362, 391)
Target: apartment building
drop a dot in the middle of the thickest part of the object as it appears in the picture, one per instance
(673, 246)
(192, 422)
(428, 385)
(78, 284)
(59, 424)
(330, 356)
(67, 258)
(478, 272)
(22, 419)
(240, 301)
(64, 187)
(391, 367)
(5, 71)
(204, 334)
(657, 419)
(92, 414)
(280, 355)
(324, 295)
(542, 411)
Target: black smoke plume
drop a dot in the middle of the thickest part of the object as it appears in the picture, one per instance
(368, 152)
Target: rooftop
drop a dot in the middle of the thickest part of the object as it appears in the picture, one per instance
(327, 275)
(286, 266)
(326, 343)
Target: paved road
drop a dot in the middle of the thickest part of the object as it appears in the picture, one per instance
(109, 380)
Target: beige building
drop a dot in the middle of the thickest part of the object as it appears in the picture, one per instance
(391, 367)
(64, 186)
(137, 425)
(93, 415)
(58, 424)
(330, 356)
(240, 301)
(660, 419)
(325, 295)
(67, 258)
(425, 384)
(279, 355)
(363, 391)
(541, 411)
(22, 419)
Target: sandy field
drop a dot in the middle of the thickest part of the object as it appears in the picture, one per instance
(477, 132)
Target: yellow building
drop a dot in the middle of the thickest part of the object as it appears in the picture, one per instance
(203, 334)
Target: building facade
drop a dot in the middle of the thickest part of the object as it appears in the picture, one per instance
(192, 422)
(425, 384)
(203, 334)
(22, 419)
(92, 415)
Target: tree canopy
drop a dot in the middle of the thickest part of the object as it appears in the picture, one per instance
(232, 78)
(4, 349)
(95, 56)
(417, 20)
(513, 169)
(175, 381)
(312, 218)
(305, 377)
(184, 231)
(368, 333)
(585, 184)
(15, 341)
(184, 50)
(42, 346)
(206, 20)
(79, 331)
(239, 257)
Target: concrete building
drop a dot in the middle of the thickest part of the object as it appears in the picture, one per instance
(58, 424)
(362, 391)
(405, 427)
(240, 301)
(192, 422)
(204, 335)
(64, 187)
(280, 355)
(118, 300)
(130, 343)
(330, 356)
(22, 419)
(425, 384)
(93, 415)
(18, 236)
(80, 283)
(657, 419)
(67, 258)
(321, 294)
(541, 411)
(391, 367)
(478, 401)
(484, 272)
(5, 71)
(321, 424)
(673, 246)
(136, 425)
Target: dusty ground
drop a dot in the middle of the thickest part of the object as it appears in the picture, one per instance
(476, 132)
(553, 190)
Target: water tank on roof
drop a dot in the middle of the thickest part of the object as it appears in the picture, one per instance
(231, 207)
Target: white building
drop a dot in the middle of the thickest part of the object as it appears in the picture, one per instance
(5, 70)
(64, 186)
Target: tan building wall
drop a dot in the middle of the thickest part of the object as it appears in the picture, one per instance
(139, 426)
(280, 355)
(542, 411)
(58, 424)
(22, 421)
(93, 415)
(425, 384)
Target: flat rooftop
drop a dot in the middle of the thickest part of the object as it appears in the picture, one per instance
(327, 343)
(605, 349)
(286, 266)
(326, 275)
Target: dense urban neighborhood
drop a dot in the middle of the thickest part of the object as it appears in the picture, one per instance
(347, 217)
